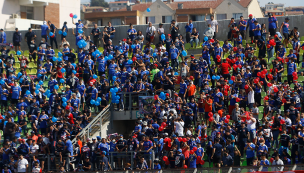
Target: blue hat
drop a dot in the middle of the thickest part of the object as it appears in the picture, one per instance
(104, 152)
(103, 75)
(179, 150)
(98, 137)
(79, 19)
(173, 136)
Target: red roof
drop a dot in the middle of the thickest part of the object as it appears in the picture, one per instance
(188, 5)
(138, 7)
(244, 3)
(195, 4)
(116, 2)
(293, 12)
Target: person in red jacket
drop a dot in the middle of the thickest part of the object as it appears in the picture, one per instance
(225, 69)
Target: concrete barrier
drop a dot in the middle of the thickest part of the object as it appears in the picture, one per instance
(121, 31)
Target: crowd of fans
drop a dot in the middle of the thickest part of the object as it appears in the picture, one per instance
(233, 106)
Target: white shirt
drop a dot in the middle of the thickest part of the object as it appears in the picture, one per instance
(22, 165)
(279, 162)
(251, 124)
(251, 97)
(36, 170)
(213, 23)
(161, 114)
(179, 128)
(34, 148)
(151, 30)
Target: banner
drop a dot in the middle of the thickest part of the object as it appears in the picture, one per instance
(145, 104)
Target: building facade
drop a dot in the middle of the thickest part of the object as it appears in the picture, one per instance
(182, 11)
(24, 14)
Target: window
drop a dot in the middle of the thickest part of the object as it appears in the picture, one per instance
(150, 19)
(116, 21)
(166, 19)
(199, 17)
(221, 16)
(119, 4)
(27, 12)
(237, 15)
(124, 3)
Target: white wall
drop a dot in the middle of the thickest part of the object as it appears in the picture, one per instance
(39, 13)
(254, 9)
(8, 7)
(66, 7)
(158, 9)
(234, 7)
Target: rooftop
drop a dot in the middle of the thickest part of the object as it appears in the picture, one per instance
(294, 12)
(116, 2)
(188, 4)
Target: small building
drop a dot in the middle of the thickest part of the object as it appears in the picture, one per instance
(117, 5)
(182, 11)
(23, 14)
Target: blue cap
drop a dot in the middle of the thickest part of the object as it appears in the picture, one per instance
(173, 136)
(104, 152)
(79, 19)
(179, 150)
(98, 137)
(103, 75)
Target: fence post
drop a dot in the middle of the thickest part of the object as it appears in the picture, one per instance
(195, 170)
(130, 104)
(100, 125)
(49, 162)
(153, 158)
(30, 164)
(112, 166)
(294, 167)
(132, 159)
(112, 114)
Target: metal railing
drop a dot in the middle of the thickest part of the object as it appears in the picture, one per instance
(95, 125)
(51, 164)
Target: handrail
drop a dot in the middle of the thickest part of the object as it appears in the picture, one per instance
(93, 122)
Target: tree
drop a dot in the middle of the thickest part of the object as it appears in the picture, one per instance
(102, 3)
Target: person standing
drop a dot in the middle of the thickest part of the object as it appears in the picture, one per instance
(53, 29)
(273, 24)
(277, 161)
(251, 26)
(189, 27)
(174, 29)
(79, 25)
(96, 32)
(150, 33)
(2, 36)
(22, 164)
(64, 29)
(242, 27)
(17, 38)
(285, 27)
(217, 153)
(213, 23)
(29, 36)
(111, 30)
(131, 32)
(44, 30)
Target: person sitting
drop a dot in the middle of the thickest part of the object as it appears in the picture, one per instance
(194, 38)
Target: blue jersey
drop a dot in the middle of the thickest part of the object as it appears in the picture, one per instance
(257, 32)
(174, 53)
(243, 28)
(251, 23)
(48, 66)
(285, 27)
(291, 68)
(44, 28)
(112, 68)
(16, 92)
(272, 22)
(81, 56)
(131, 33)
(183, 87)
(192, 161)
(249, 152)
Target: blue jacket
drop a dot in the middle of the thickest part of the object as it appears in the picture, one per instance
(17, 37)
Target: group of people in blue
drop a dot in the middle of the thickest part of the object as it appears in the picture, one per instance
(232, 105)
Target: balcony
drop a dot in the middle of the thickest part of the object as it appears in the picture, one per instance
(21, 24)
(37, 2)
